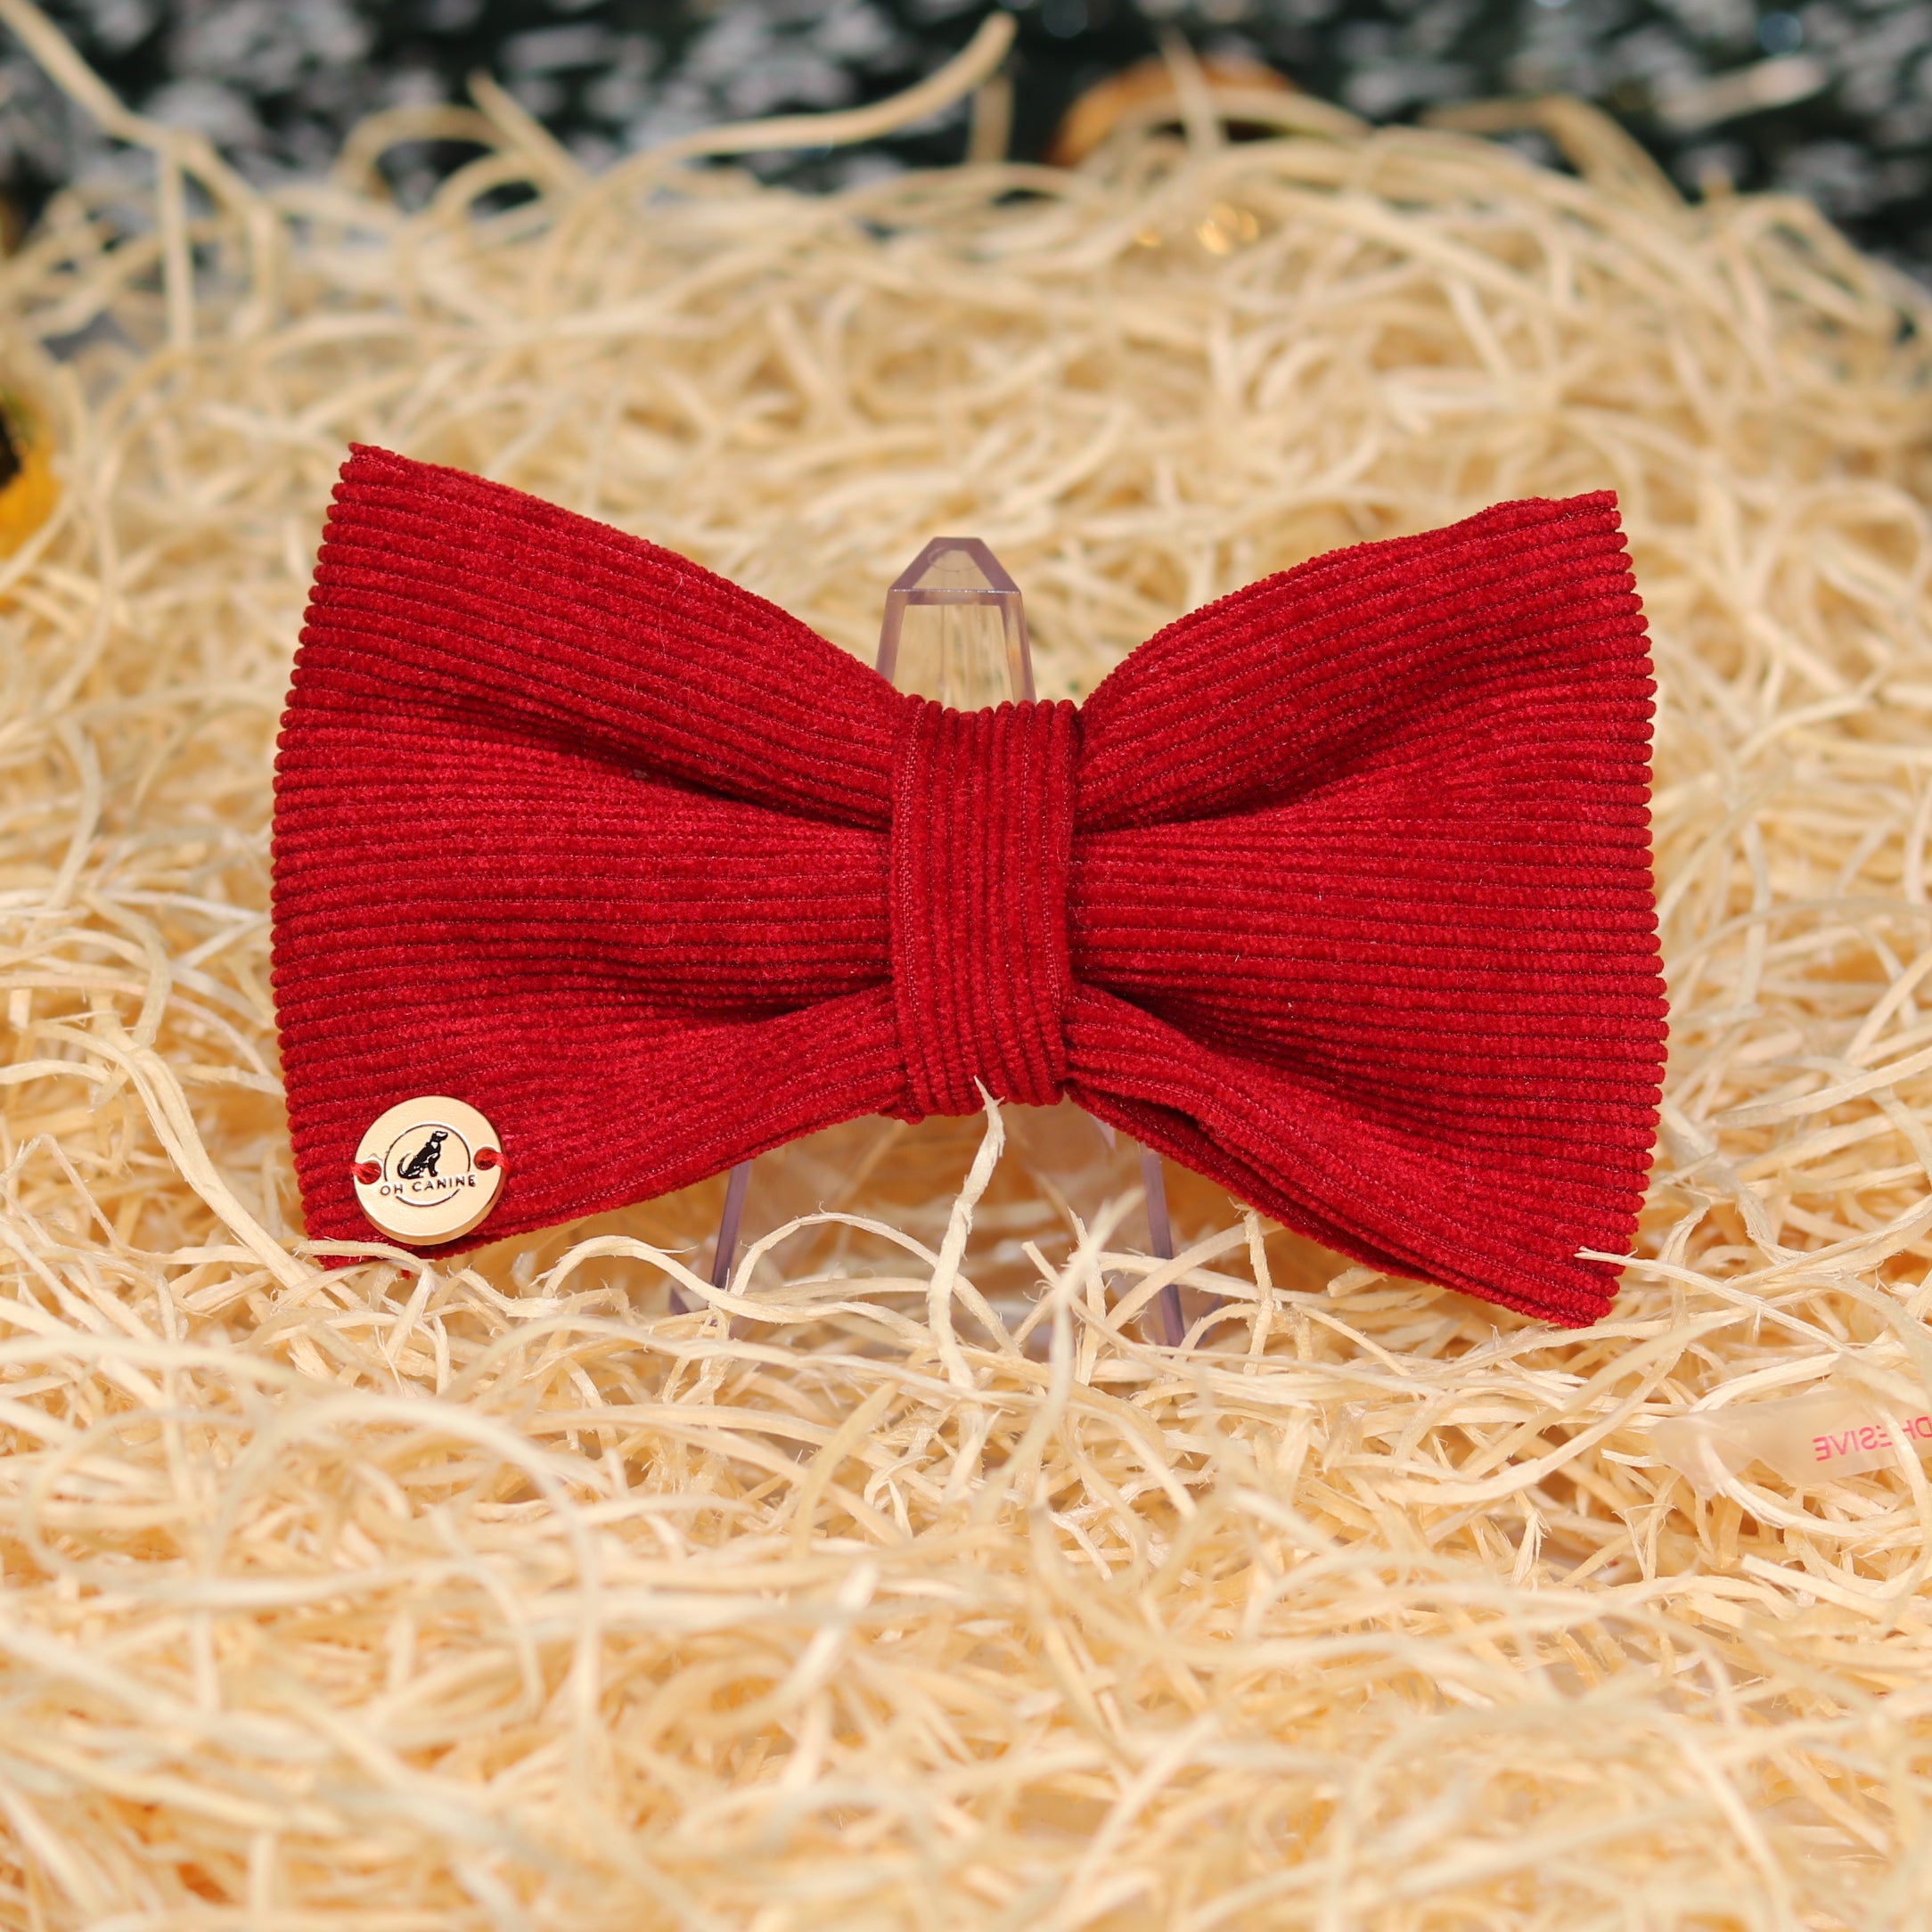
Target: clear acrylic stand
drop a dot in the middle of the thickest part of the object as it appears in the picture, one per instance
(955, 629)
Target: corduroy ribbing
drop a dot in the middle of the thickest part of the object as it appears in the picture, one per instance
(982, 834)
(1337, 891)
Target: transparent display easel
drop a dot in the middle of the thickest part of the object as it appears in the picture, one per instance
(955, 629)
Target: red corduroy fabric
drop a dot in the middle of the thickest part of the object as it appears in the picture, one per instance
(1337, 891)
(982, 847)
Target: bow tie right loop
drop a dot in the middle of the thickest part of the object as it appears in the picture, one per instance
(982, 844)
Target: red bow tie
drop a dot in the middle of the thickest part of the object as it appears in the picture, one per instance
(1337, 890)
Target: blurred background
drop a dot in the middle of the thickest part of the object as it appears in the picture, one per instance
(1831, 99)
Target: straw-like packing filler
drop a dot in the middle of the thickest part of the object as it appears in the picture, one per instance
(493, 1594)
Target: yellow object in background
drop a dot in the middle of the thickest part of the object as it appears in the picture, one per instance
(28, 487)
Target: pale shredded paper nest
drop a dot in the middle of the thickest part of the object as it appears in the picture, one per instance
(495, 1595)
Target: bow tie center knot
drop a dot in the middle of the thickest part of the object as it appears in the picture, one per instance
(982, 842)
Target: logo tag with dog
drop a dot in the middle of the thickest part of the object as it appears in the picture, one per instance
(429, 1170)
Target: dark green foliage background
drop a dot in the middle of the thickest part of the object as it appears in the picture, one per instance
(276, 82)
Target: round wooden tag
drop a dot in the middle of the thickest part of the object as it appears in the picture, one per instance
(428, 1170)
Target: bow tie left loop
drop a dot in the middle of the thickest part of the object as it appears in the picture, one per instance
(982, 846)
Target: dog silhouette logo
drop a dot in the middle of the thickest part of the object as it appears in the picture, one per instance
(427, 1163)
(425, 1157)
